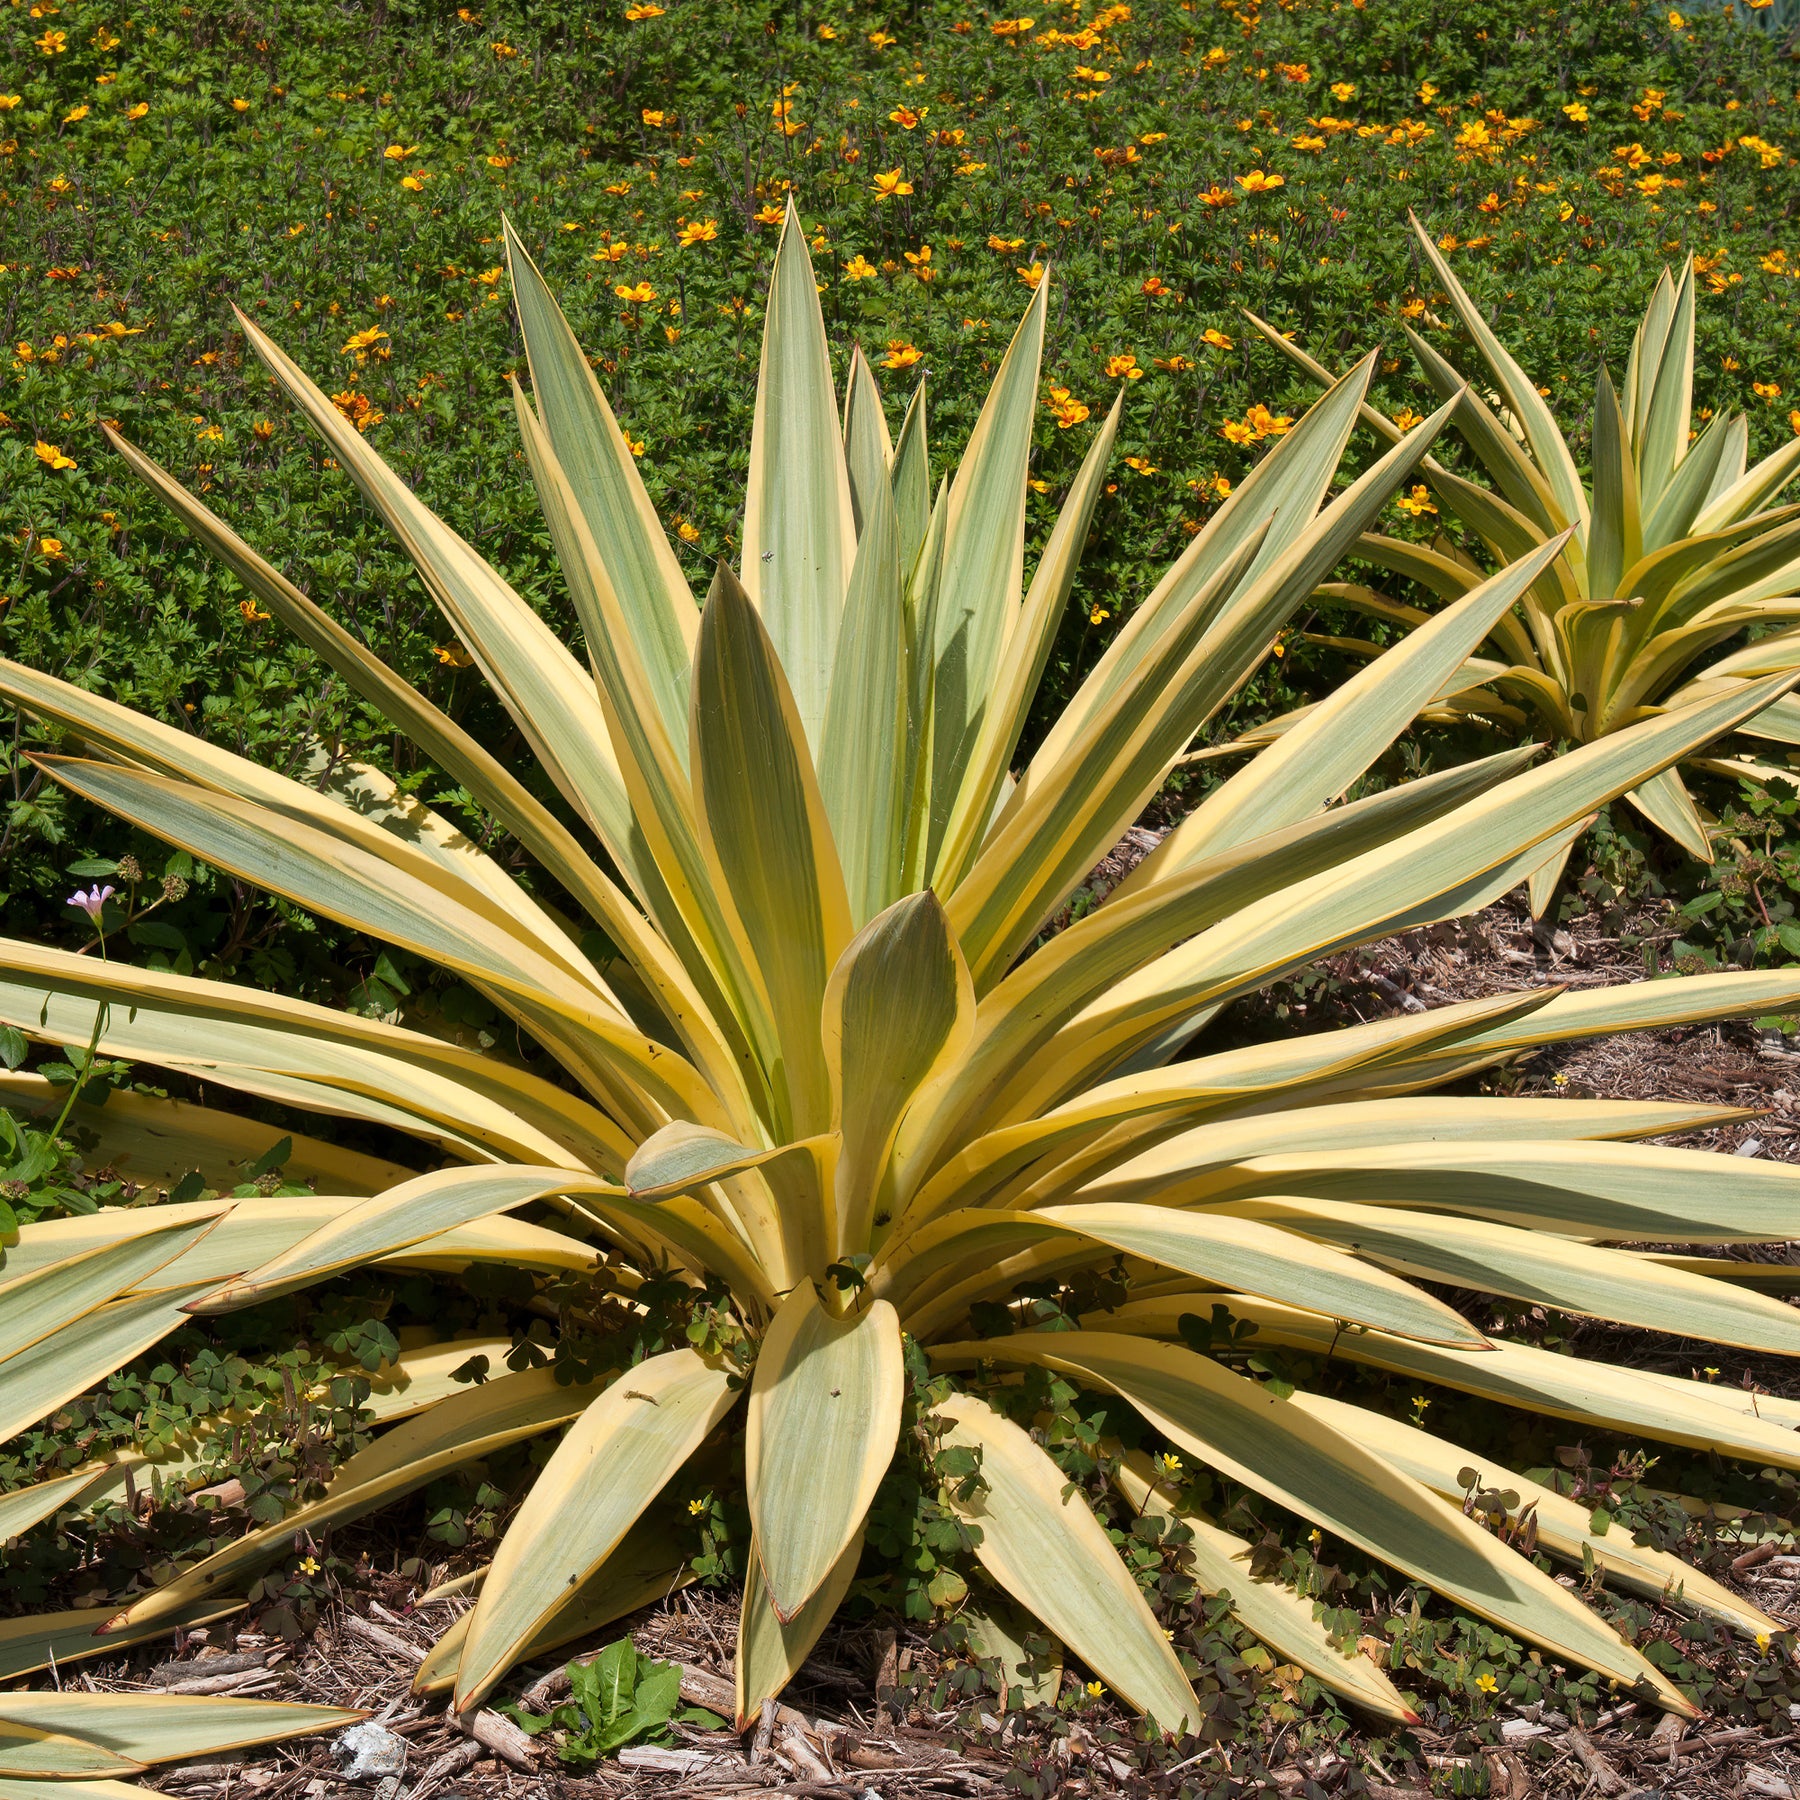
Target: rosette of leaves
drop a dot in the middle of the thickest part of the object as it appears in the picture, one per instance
(831, 1072)
(1672, 547)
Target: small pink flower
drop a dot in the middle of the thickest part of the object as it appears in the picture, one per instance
(93, 901)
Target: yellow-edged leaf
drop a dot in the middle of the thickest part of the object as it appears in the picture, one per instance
(616, 1459)
(823, 1419)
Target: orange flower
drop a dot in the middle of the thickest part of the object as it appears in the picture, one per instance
(1124, 366)
(1032, 276)
(453, 656)
(889, 182)
(51, 456)
(901, 355)
(1155, 286)
(859, 268)
(697, 231)
(769, 215)
(653, 118)
(1217, 339)
(1217, 197)
(1065, 408)
(1267, 424)
(644, 11)
(639, 295)
(1258, 181)
(1003, 28)
(905, 117)
(1417, 502)
(1005, 244)
(400, 152)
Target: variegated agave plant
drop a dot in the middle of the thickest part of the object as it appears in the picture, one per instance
(1675, 547)
(834, 1069)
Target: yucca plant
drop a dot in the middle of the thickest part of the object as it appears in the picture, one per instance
(831, 1071)
(1675, 547)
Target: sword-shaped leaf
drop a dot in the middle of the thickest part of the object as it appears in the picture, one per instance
(618, 1457)
(1043, 1545)
(824, 1416)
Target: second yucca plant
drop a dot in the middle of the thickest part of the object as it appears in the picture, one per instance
(1673, 547)
(829, 1069)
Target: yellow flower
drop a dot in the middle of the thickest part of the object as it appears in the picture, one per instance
(415, 184)
(254, 615)
(1125, 365)
(1309, 142)
(1258, 181)
(1267, 424)
(644, 10)
(500, 161)
(905, 117)
(1234, 431)
(639, 295)
(141, 110)
(308, 1565)
(362, 340)
(1098, 615)
(921, 261)
(1343, 90)
(697, 231)
(827, 33)
(653, 118)
(970, 168)
(1406, 418)
(1677, 22)
(240, 106)
(769, 215)
(1577, 110)
(400, 152)
(1096, 76)
(1486, 1683)
(51, 456)
(51, 549)
(1794, 421)
(1417, 502)
(9, 101)
(859, 268)
(996, 242)
(688, 532)
(453, 656)
(696, 1507)
(1427, 92)
(52, 43)
(1217, 339)
(901, 354)
(1169, 1463)
(889, 182)
(882, 40)
(1011, 27)
(75, 115)
(1094, 1690)
(1066, 408)
(1139, 466)
(1765, 390)
(1031, 276)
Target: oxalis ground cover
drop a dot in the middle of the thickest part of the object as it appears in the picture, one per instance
(342, 177)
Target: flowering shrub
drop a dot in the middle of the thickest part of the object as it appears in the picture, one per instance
(1171, 164)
